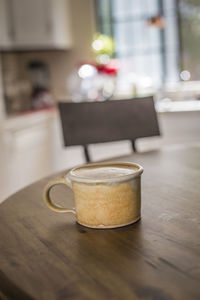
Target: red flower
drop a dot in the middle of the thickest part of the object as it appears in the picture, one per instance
(111, 68)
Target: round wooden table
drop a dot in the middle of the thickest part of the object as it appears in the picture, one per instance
(45, 255)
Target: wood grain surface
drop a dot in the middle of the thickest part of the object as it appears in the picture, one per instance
(45, 255)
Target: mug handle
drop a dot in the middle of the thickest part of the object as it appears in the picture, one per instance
(47, 199)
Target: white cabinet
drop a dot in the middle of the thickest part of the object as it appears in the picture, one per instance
(2, 108)
(38, 24)
(31, 21)
(5, 25)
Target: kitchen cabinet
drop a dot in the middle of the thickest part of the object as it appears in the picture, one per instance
(26, 150)
(38, 24)
(5, 25)
(2, 108)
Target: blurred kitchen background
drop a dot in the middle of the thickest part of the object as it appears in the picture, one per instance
(87, 50)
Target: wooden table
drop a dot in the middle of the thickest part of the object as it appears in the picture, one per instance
(45, 255)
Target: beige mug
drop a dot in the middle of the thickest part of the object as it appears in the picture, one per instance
(106, 195)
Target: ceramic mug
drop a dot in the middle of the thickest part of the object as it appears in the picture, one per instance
(106, 195)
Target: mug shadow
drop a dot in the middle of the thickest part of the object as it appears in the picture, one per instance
(98, 245)
(102, 258)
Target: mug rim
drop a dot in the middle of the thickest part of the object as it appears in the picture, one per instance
(121, 178)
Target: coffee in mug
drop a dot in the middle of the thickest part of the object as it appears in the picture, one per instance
(106, 195)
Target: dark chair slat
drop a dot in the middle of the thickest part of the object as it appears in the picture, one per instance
(89, 123)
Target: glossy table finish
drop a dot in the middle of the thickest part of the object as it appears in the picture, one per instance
(45, 255)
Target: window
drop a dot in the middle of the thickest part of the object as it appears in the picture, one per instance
(145, 49)
(189, 12)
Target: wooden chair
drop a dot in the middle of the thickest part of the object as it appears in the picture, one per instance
(97, 122)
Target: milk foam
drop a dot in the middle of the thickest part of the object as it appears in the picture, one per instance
(103, 172)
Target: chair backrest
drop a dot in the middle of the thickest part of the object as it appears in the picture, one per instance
(114, 120)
